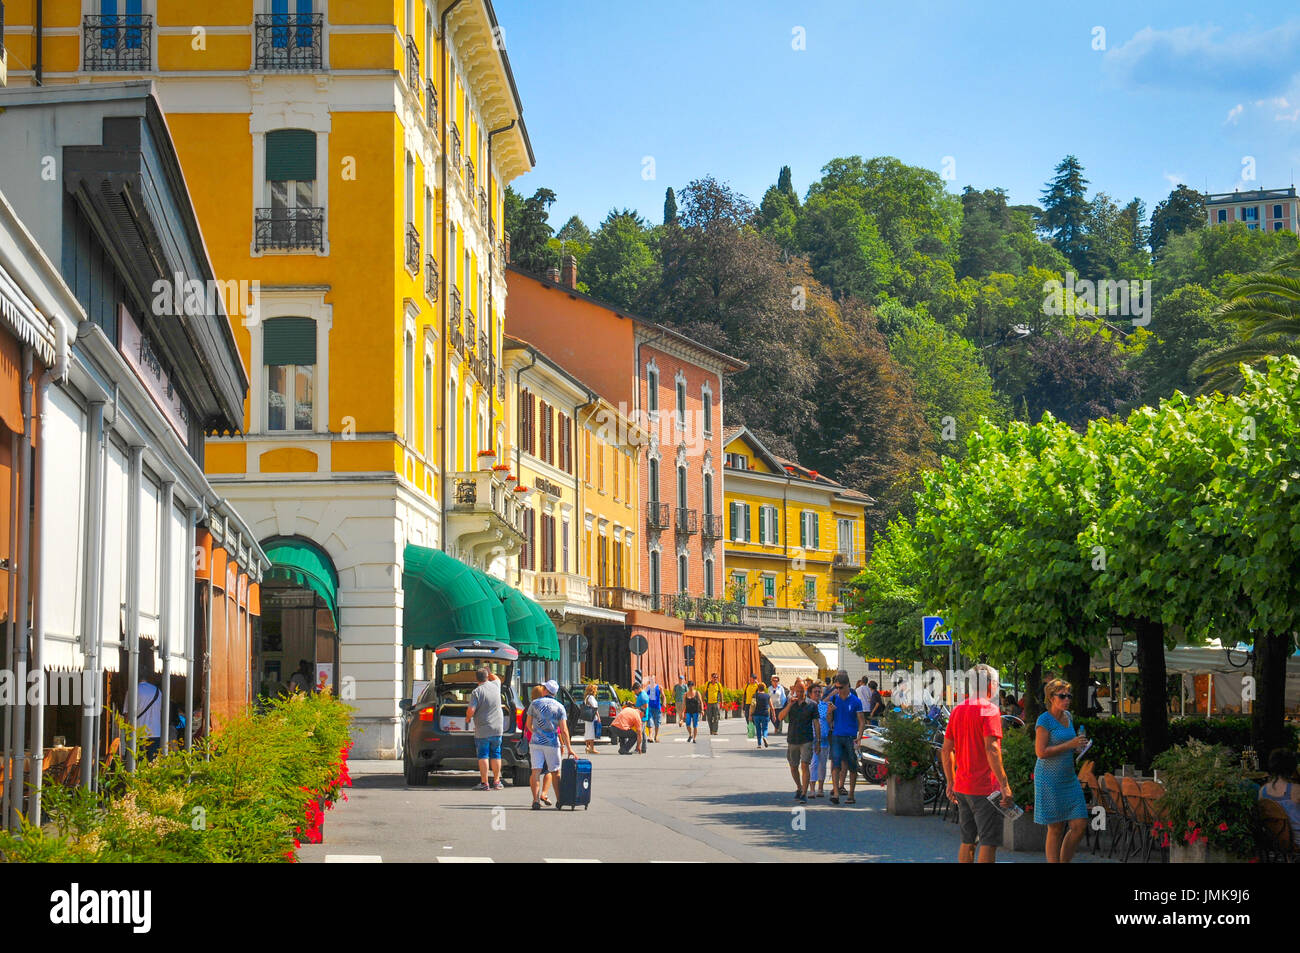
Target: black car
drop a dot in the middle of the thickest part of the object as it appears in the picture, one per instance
(434, 732)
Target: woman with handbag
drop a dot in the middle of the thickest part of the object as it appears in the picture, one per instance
(590, 719)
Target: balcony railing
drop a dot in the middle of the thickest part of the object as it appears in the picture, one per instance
(118, 42)
(791, 620)
(483, 209)
(457, 339)
(485, 492)
(431, 281)
(690, 608)
(656, 515)
(482, 344)
(505, 248)
(562, 587)
(412, 65)
(469, 178)
(849, 559)
(501, 384)
(412, 249)
(430, 105)
(287, 229)
(687, 521)
(288, 41)
(620, 599)
(711, 526)
(454, 148)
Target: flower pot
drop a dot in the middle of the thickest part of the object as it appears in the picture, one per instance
(1023, 834)
(1200, 853)
(905, 798)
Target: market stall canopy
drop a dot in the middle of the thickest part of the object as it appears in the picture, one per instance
(1192, 660)
(446, 599)
(305, 564)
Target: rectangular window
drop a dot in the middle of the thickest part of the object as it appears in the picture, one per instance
(708, 578)
(408, 382)
(810, 592)
(600, 466)
(1277, 211)
(627, 476)
(845, 538)
(769, 589)
(708, 414)
(616, 474)
(683, 573)
(1252, 213)
(681, 405)
(289, 354)
(618, 564)
(586, 453)
(526, 551)
(652, 392)
(1278, 226)
(564, 546)
(739, 587)
(1223, 215)
(548, 543)
(602, 560)
(428, 407)
(290, 175)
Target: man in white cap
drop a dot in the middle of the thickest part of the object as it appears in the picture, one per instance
(549, 733)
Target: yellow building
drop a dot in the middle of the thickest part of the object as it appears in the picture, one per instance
(573, 457)
(348, 163)
(794, 538)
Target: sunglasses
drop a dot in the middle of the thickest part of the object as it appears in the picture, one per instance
(1064, 695)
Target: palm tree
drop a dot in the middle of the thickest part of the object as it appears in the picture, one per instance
(1265, 305)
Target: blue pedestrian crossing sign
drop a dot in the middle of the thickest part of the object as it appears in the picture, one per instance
(930, 634)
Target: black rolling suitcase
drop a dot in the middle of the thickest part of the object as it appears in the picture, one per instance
(575, 784)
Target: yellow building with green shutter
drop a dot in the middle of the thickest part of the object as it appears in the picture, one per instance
(794, 537)
(348, 163)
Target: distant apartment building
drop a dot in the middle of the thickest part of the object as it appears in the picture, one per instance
(1270, 210)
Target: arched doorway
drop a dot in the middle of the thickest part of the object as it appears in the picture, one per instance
(300, 617)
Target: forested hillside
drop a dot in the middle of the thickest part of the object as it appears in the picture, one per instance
(882, 315)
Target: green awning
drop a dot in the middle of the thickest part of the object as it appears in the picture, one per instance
(520, 618)
(305, 564)
(548, 639)
(446, 599)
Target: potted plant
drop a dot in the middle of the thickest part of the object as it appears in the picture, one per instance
(909, 755)
(486, 459)
(1210, 811)
(1019, 758)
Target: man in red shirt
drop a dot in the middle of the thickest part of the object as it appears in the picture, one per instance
(972, 763)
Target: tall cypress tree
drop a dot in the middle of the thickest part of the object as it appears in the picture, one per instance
(670, 207)
(1065, 210)
(785, 184)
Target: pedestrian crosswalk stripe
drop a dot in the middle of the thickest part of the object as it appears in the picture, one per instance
(353, 859)
(570, 860)
(466, 860)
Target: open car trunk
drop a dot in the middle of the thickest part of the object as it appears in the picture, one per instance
(454, 682)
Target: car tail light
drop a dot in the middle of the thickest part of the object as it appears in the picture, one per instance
(519, 719)
(426, 714)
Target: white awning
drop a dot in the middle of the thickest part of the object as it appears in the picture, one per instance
(789, 661)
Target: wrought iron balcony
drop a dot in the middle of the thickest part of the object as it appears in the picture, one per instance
(849, 559)
(430, 105)
(412, 66)
(431, 278)
(288, 41)
(117, 42)
(471, 326)
(453, 305)
(711, 526)
(453, 150)
(492, 232)
(505, 248)
(656, 515)
(501, 384)
(457, 339)
(412, 249)
(687, 521)
(469, 177)
(482, 344)
(482, 207)
(289, 229)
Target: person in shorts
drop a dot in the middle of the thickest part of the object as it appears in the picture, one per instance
(679, 696)
(820, 765)
(803, 738)
(844, 712)
(486, 716)
(549, 734)
(972, 764)
(626, 730)
(690, 708)
(654, 713)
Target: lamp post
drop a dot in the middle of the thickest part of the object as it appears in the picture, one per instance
(1116, 639)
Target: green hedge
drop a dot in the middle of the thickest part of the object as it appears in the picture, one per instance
(1116, 742)
(251, 793)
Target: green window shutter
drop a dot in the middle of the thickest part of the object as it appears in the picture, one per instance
(817, 530)
(748, 534)
(289, 341)
(291, 155)
(803, 528)
(731, 516)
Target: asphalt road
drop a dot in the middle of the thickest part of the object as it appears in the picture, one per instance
(719, 800)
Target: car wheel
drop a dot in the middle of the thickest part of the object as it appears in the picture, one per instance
(522, 776)
(416, 777)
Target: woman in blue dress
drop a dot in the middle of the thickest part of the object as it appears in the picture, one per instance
(1058, 798)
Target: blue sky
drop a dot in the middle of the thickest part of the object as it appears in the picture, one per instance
(1183, 91)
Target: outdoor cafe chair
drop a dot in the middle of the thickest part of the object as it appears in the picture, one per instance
(69, 773)
(1277, 842)
(1117, 818)
(1135, 810)
(1092, 797)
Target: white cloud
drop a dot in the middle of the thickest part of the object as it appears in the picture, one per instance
(1175, 179)
(1235, 113)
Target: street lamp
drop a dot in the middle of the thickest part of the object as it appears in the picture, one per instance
(1116, 638)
